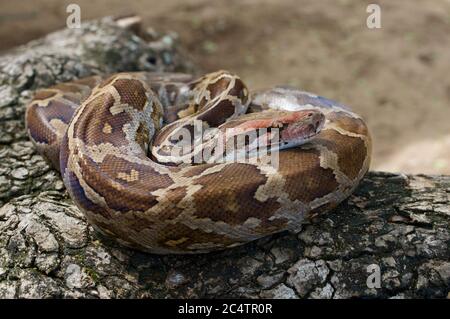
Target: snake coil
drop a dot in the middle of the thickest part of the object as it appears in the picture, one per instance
(113, 141)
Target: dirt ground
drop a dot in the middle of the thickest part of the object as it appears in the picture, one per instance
(396, 77)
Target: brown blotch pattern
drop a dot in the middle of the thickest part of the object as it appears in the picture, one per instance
(239, 90)
(219, 114)
(131, 92)
(348, 123)
(218, 87)
(306, 180)
(90, 123)
(345, 147)
(197, 170)
(180, 237)
(123, 195)
(169, 203)
(229, 195)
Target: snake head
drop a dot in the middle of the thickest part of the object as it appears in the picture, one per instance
(273, 129)
(300, 127)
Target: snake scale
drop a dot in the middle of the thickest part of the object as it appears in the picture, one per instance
(114, 139)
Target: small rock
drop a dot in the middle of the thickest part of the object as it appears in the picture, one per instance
(280, 292)
(313, 252)
(103, 292)
(73, 276)
(73, 231)
(389, 261)
(175, 279)
(390, 279)
(281, 254)
(42, 236)
(382, 241)
(267, 281)
(249, 265)
(47, 262)
(8, 289)
(59, 185)
(306, 274)
(323, 293)
(7, 95)
(3, 272)
(77, 278)
(35, 285)
(20, 173)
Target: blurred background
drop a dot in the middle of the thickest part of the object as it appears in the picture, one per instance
(396, 77)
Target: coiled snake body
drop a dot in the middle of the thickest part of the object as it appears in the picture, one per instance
(99, 135)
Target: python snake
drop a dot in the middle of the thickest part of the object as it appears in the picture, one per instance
(114, 141)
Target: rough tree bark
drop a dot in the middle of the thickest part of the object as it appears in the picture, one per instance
(399, 223)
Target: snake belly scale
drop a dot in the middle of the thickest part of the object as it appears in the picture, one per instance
(110, 138)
